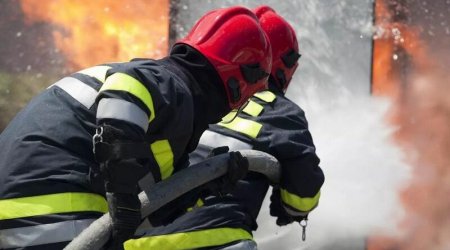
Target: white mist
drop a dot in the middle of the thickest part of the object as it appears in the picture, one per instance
(364, 172)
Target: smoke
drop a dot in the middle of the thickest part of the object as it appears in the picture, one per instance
(364, 171)
(375, 186)
(424, 113)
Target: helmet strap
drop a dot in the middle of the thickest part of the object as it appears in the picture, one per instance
(281, 78)
(234, 90)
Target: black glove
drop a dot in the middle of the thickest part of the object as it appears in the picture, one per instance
(237, 169)
(125, 212)
(121, 172)
(121, 178)
(277, 210)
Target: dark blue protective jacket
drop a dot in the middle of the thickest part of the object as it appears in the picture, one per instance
(50, 187)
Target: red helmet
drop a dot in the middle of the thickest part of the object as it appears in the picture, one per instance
(284, 45)
(235, 44)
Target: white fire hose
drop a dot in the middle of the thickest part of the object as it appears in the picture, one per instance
(98, 233)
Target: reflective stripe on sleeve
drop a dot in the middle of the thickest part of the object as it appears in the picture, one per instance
(230, 116)
(42, 234)
(51, 204)
(164, 157)
(214, 140)
(247, 127)
(302, 204)
(252, 108)
(122, 110)
(80, 91)
(124, 82)
(266, 96)
(98, 72)
(189, 240)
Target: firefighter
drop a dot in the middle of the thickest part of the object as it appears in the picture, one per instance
(79, 148)
(269, 122)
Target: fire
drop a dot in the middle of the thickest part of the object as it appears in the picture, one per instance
(397, 46)
(404, 70)
(92, 32)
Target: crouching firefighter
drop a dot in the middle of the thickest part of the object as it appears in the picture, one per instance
(268, 122)
(143, 116)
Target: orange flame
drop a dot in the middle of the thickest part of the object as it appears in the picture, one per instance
(403, 70)
(92, 32)
(393, 42)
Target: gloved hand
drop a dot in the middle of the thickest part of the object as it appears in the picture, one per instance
(123, 159)
(121, 178)
(125, 212)
(237, 169)
(277, 210)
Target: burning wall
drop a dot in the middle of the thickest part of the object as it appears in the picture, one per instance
(42, 41)
(410, 67)
(93, 32)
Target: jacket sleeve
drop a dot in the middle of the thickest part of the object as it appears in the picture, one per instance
(127, 98)
(128, 103)
(290, 141)
(273, 124)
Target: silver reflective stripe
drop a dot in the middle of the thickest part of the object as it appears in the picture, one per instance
(42, 234)
(80, 91)
(293, 212)
(122, 110)
(214, 140)
(242, 245)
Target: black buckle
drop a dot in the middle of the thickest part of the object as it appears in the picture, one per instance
(290, 58)
(253, 72)
(281, 77)
(233, 86)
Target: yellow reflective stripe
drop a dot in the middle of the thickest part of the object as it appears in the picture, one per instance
(164, 157)
(230, 116)
(252, 108)
(51, 204)
(98, 72)
(189, 240)
(299, 203)
(265, 95)
(247, 127)
(124, 82)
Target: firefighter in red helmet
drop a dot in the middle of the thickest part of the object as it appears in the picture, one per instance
(79, 148)
(268, 122)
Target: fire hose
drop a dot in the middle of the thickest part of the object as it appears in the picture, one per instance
(98, 233)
